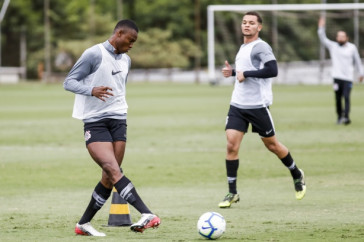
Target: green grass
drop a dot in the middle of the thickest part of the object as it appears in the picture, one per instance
(175, 157)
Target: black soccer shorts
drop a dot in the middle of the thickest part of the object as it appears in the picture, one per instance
(260, 119)
(105, 130)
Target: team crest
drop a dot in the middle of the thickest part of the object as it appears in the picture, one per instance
(87, 135)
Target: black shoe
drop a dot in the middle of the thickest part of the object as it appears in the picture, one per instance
(346, 121)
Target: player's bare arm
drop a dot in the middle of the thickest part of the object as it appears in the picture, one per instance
(227, 71)
(240, 76)
(102, 92)
(321, 22)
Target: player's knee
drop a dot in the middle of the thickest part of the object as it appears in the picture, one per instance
(232, 148)
(109, 169)
(106, 181)
(272, 147)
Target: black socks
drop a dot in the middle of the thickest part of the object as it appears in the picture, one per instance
(291, 165)
(232, 172)
(127, 191)
(98, 199)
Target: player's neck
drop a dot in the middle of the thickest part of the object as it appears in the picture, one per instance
(249, 39)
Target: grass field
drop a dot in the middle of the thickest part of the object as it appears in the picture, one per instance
(175, 158)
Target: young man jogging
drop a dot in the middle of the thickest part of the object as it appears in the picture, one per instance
(252, 95)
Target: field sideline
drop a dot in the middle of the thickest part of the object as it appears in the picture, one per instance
(175, 158)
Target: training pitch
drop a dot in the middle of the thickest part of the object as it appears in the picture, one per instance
(175, 158)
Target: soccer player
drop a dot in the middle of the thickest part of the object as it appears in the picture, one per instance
(99, 80)
(344, 57)
(255, 65)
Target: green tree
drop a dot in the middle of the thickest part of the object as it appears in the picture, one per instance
(155, 48)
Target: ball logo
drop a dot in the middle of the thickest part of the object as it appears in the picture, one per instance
(87, 135)
(211, 225)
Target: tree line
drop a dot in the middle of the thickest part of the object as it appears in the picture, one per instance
(172, 33)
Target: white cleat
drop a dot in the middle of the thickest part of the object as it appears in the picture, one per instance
(87, 229)
(148, 220)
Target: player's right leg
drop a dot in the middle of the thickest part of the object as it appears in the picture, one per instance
(97, 138)
(338, 89)
(235, 128)
(87, 229)
(98, 199)
(234, 138)
(104, 155)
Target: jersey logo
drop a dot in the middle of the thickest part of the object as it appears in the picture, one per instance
(114, 72)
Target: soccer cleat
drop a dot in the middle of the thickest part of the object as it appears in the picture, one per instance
(147, 221)
(87, 229)
(229, 199)
(300, 186)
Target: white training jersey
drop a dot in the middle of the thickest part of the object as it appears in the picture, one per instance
(344, 58)
(111, 73)
(252, 92)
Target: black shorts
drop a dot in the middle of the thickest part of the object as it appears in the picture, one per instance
(105, 130)
(259, 118)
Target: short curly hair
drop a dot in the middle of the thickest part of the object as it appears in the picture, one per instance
(126, 23)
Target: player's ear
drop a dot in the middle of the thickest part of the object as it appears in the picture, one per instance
(119, 32)
(260, 27)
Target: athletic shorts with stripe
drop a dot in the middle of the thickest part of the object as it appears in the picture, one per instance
(105, 130)
(260, 119)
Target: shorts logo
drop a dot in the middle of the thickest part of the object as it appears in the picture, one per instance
(227, 120)
(268, 132)
(87, 135)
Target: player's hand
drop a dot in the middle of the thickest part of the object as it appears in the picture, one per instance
(227, 70)
(322, 22)
(240, 76)
(361, 79)
(102, 92)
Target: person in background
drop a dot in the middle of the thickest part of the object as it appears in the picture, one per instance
(345, 57)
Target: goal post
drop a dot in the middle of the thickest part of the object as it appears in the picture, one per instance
(212, 9)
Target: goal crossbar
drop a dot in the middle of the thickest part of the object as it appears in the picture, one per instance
(211, 9)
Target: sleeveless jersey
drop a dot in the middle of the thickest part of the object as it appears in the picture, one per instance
(111, 73)
(252, 92)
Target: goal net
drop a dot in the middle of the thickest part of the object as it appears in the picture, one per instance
(291, 30)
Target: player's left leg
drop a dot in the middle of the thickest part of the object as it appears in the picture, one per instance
(346, 93)
(283, 154)
(124, 186)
